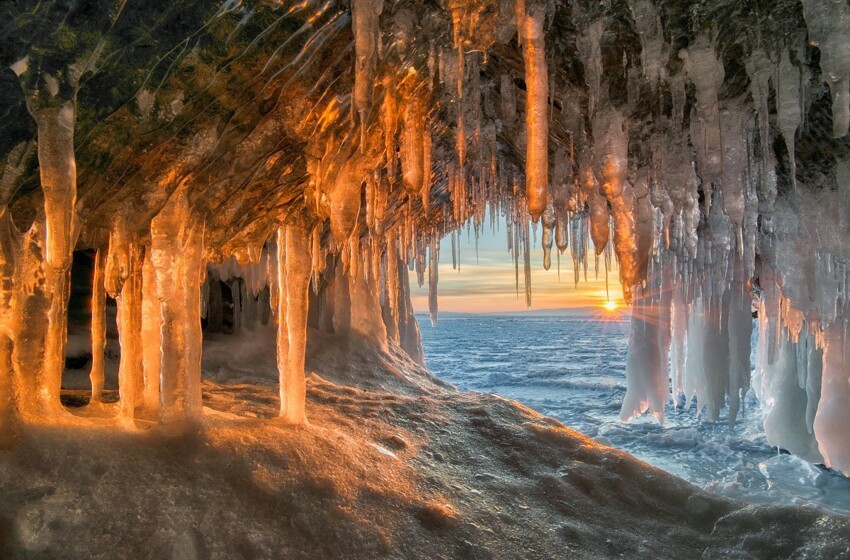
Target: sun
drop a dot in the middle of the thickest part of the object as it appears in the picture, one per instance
(610, 305)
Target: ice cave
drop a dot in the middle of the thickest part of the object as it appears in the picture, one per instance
(212, 213)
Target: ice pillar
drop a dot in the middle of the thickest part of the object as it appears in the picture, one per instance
(98, 326)
(58, 170)
(8, 405)
(293, 278)
(177, 258)
(832, 421)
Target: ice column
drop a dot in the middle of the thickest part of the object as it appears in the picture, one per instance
(536, 112)
(8, 404)
(833, 414)
(177, 259)
(647, 374)
(293, 280)
(98, 325)
(57, 166)
(129, 333)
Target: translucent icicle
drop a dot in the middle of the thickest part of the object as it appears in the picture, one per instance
(367, 35)
(433, 278)
(789, 112)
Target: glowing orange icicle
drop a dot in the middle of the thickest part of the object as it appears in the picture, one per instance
(536, 113)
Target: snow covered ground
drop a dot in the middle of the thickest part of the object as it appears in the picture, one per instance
(574, 370)
(392, 464)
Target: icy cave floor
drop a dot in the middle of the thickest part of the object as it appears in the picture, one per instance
(392, 464)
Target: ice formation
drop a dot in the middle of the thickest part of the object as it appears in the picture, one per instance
(295, 164)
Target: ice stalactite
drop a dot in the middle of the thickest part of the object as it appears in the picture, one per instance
(433, 277)
(653, 47)
(413, 146)
(98, 325)
(706, 73)
(789, 110)
(536, 111)
(177, 242)
(589, 45)
(345, 199)
(365, 316)
(828, 21)
(367, 36)
(293, 281)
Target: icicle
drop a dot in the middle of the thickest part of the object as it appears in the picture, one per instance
(827, 22)
(833, 413)
(789, 112)
(546, 239)
(706, 73)
(536, 117)
(367, 36)
(389, 122)
(433, 277)
(345, 199)
(413, 146)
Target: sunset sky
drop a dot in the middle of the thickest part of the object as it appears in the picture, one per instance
(489, 285)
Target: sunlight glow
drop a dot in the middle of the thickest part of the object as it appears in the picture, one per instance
(610, 305)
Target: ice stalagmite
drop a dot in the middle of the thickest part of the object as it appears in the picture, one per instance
(367, 35)
(293, 269)
(177, 258)
(98, 325)
(536, 112)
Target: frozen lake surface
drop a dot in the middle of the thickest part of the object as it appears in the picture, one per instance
(573, 369)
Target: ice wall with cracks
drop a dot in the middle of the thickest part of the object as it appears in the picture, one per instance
(311, 155)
